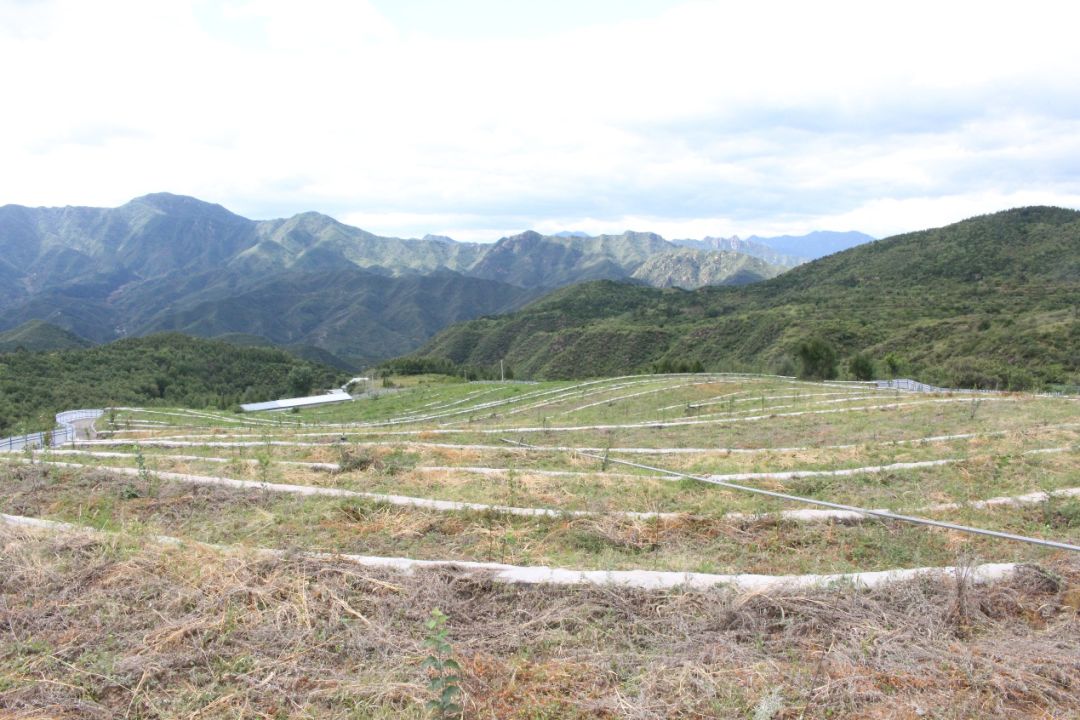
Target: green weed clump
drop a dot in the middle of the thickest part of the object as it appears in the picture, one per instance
(445, 673)
(1061, 513)
(399, 461)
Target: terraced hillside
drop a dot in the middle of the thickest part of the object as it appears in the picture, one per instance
(987, 302)
(584, 540)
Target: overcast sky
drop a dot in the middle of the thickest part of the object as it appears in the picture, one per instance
(480, 118)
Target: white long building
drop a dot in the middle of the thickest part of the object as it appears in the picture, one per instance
(334, 396)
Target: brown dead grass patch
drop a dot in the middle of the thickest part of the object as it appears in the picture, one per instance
(456, 456)
(321, 453)
(519, 688)
(389, 520)
(95, 626)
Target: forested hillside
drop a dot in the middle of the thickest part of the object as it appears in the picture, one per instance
(166, 262)
(167, 369)
(353, 313)
(990, 301)
(35, 335)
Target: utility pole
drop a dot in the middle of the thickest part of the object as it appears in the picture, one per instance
(502, 373)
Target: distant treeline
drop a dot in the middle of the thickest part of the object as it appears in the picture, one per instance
(419, 365)
(169, 369)
(412, 365)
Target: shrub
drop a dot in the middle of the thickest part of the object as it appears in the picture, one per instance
(861, 367)
(818, 360)
(354, 459)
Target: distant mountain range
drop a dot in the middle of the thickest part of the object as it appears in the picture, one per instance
(989, 302)
(169, 262)
(783, 250)
(688, 269)
(813, 245)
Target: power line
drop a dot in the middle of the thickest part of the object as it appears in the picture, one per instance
(824, 503)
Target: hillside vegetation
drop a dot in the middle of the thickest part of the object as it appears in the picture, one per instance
(990, 301)
(353, 313)
(689, 269)
(35, 335)
(165, 262)
(167, 369)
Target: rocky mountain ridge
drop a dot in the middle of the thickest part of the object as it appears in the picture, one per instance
(987, 302)
(170, 262)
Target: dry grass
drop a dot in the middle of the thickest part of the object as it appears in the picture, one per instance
(117, 626)
(100, 627)
(680, 543)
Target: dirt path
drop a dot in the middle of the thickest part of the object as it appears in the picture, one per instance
(84, 429)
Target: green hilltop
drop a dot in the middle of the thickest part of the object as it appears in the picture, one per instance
(990, 301)
(36, 335)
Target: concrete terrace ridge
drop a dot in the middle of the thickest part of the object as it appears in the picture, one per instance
(801, 515)
(191, 441)
(641, 579)
(315, 490)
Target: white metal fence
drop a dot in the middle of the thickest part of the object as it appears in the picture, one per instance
(63, 433)
(916, 386)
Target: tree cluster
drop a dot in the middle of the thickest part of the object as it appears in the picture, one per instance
(169, 369)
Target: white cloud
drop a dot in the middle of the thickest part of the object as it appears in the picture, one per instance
(890, 216)
(707, 118)
(315, 26)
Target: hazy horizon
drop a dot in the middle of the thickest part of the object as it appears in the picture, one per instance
(477, 118)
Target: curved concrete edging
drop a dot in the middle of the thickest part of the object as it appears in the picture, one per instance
(801, 515)
(335, 467)
(642, 579)
(325, 466)
(620, 398)
(315, 490)
(189, 441)
(653, 424)
(734, 398)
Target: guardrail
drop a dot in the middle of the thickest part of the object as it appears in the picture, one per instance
(65, 432)
(916, 386)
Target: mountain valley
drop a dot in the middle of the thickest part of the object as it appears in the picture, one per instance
(987, 302)
(166, 262)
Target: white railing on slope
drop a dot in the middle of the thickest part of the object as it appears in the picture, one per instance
(64, 433)
(916, 386)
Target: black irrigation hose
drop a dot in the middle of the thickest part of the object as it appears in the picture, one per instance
(824, 503)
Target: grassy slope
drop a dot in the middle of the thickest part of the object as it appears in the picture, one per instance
(114, 624)
(991, 300)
